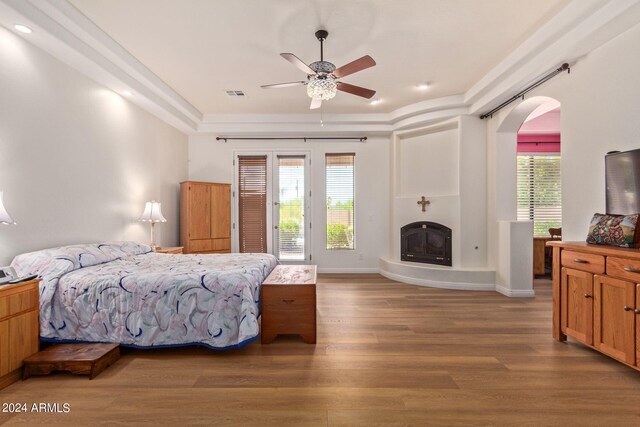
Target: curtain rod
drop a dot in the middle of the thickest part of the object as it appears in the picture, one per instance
(303, 138)
(560, 69)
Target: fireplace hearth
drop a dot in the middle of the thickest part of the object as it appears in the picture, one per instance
(426, 242)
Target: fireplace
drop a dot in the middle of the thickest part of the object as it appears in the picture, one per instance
(426, 242)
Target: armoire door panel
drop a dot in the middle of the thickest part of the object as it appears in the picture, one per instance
(200, 211)
(220, 211)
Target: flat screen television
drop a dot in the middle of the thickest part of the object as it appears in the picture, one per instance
(622, 171)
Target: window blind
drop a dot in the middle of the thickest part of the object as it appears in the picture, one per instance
(340, 192)
(539, 191)
(252, 203)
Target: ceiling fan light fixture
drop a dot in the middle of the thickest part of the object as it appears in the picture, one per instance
(322, 88)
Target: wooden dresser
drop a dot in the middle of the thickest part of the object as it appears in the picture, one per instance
(19, 328)
(596, 298)
(205, 217)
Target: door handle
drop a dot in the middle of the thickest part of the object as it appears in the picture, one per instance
(587, 296)
(275, 226)
(276, 203)
(627, 308)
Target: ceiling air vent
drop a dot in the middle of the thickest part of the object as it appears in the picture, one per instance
(234, 92)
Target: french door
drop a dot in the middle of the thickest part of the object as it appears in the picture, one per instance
(284, 216)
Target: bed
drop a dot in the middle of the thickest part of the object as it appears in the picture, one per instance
(125, 293)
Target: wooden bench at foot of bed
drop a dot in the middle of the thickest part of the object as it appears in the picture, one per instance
(289, 303)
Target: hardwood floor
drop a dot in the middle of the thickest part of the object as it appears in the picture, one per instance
(387, 354)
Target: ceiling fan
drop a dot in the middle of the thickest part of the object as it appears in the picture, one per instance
(323, 77)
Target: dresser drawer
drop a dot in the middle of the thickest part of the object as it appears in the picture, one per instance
(583, 261)
(623, 268)
(18, 302)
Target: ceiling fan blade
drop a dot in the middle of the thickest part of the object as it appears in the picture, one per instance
(315, 103)
(355, 90)
(279, 85)
(355, 66)
(297, 62)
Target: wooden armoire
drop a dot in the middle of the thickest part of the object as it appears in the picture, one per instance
(205, 217)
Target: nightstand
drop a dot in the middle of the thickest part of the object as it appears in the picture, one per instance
(19, 327)
(289, 303)
(170, 250)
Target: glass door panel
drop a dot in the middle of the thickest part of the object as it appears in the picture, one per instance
(290, 207)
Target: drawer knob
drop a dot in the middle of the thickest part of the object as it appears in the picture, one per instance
(288, 301)
(627, 308)
(631, 270)
(587, 296)
(581, 261)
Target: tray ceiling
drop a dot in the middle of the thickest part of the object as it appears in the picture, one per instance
(204, 48)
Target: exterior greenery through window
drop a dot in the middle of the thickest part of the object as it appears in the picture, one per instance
(291, 212)
(340, 189)
(539, 191)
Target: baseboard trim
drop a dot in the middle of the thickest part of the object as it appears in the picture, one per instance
(348, 270)
(460, 286)
(515, 293)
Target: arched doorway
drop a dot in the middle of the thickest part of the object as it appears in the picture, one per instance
(514, 239)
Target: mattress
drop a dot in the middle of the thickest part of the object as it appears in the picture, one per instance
(125, 293)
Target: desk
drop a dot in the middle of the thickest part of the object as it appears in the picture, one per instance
(538, 254)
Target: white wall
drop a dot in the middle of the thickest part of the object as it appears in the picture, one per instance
(78, 160)
(600, 110)
(212, 161)
(430, 164)
(473, 191)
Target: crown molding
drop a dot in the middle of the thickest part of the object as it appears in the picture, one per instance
(67, 34)
(64, 32)
(582, 26)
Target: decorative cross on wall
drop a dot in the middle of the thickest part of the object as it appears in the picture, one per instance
(424, 202)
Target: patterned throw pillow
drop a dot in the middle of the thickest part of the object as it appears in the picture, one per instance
(614, 230)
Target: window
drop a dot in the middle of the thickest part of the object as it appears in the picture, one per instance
(340, 189)
(252, 203)
(539, 192)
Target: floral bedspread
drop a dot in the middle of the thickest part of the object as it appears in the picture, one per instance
(125, 293)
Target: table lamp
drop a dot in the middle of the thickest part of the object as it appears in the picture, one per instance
(152, 213)
(4, 216)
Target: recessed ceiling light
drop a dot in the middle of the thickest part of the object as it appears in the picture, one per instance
(423, 85)
(126, 93)
(23, 28)
(374, 101)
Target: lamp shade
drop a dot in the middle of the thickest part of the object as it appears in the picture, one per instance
(152, 213)
(4, 215)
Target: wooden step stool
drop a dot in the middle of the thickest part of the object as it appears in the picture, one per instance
(83, 359)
